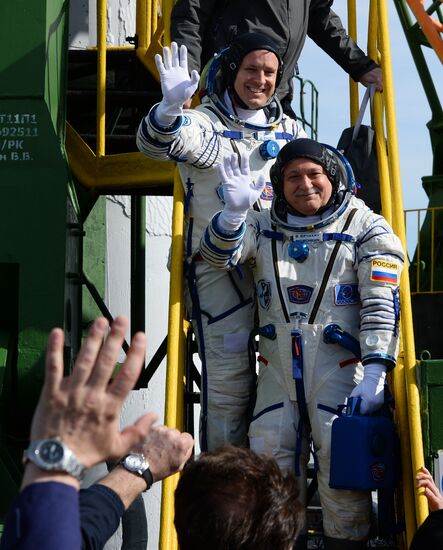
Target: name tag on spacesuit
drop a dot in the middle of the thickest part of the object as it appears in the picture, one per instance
(311, 237)
(263, 135)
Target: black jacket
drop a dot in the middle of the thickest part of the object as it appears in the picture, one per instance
(429, 535)
(287, 22)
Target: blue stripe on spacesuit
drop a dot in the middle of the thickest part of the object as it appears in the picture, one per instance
(369, 358)
(337, 237)
(218, 252)
(188, 195)
(367, 236)
(275, 235)
(267, 409)
(228, 312)
(378, 317)
(165, 130)
(189, 238)
(380, 255)
(164, 146)
(378, 326)
(208, 157)
(234, 134)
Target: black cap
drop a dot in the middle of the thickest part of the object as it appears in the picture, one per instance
(240, 47)
(305, 148)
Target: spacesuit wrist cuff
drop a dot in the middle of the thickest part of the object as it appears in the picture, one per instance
(167, 125)
(383, 358)
(226, 227)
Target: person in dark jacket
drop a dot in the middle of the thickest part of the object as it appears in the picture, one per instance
(206, 27)
(75, 426)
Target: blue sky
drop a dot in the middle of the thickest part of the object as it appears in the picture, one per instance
(412, 108)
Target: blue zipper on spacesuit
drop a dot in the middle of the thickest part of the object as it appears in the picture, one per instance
(189, 194)
(297, 375)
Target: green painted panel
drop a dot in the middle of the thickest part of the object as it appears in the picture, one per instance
(431, 394)
(34, 183)
(435, 418)
(94, 254)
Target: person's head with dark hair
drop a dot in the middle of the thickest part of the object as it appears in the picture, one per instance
(308, 178)
(234, 499)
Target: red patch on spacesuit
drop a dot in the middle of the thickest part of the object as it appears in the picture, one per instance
(261, 359)
(347, 362)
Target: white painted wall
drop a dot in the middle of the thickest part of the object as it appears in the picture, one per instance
(121, 23)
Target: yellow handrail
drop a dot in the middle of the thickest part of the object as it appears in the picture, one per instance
(353, 86)
(415, 433)
(175, 360)
(101, 77)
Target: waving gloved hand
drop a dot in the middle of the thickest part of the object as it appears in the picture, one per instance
(177, 86)
(239, 191)
(371, 388)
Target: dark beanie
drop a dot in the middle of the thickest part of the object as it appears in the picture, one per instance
(240, 47)
(309, 149)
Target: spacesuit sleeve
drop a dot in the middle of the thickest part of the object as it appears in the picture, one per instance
(225, 250)
(193, 138)
(326, 29)
(380, 260)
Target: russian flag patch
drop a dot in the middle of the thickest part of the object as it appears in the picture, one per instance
(383, 271)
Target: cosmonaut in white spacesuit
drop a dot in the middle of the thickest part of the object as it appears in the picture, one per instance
(321, 261)
(239, 113)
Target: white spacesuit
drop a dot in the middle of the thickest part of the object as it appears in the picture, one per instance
(221, 304)
(340, 269)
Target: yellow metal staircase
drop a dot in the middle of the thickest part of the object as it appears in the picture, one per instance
(103, 173)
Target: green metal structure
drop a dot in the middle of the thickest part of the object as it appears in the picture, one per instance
(427, 265)
(431, 272)
(40, 260)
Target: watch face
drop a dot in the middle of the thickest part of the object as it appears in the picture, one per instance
(51, 451)
(134, 462)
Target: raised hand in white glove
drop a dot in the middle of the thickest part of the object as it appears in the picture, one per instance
(177, 86)
(371, 388)
(239, 191)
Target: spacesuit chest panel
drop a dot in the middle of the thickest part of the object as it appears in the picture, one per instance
(286, 286)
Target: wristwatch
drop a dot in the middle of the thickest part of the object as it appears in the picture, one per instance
(137, 464)
(53, 455)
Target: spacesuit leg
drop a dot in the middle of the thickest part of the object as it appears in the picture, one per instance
(223, 316)
(273, 428)
(346, 514)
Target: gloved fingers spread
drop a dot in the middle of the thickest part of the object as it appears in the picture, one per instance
(244, 165)
(195, 78)
(221, 172)
(259, 184)
(230, 163)
(159, 64)
(174, 55)
(183, 57)
(167, 62)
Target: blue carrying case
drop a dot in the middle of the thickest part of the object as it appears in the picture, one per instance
(364, 450)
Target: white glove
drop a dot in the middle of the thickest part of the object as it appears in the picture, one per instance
(177, 86)
(239, 191)
(371, 388)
